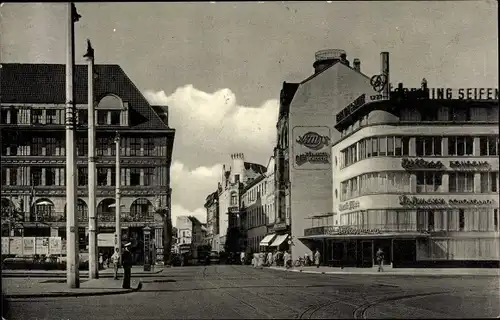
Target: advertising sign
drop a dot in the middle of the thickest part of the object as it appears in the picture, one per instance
(55, 245)
(28, 246)
(41, 245)
(311, 148)
(105, 240)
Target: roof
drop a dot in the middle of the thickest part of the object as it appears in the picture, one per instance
(253, 182)
(194, 220)
(46, 84)
(258, 168)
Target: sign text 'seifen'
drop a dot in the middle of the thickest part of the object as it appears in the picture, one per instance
(320, 157)
(351, 205)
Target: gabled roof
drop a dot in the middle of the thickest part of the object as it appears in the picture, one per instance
(46, 84)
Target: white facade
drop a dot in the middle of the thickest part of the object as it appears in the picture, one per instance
(184, 230)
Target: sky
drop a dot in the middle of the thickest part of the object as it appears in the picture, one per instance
(220, 66)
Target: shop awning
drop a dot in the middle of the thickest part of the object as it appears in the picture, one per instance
(402, 235)
(267, 240)
(279, 240)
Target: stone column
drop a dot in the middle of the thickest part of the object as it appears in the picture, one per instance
(477, 182)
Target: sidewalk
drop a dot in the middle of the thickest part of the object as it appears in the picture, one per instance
(484, 272)
(43, 287)
(105, 273)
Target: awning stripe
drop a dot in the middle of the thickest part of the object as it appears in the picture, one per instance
(279, 240)
(267, 239)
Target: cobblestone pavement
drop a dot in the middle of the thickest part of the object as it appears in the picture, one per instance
(220, 292)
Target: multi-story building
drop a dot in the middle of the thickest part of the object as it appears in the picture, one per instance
(232, 231)
(33, 152)
(304, 135)
(416, 175)
(212, 207)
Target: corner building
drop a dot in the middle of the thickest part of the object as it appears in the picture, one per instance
(304, 135)
(34, 163)
(417, 177)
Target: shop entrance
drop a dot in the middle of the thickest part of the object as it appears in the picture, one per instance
(366, 260)
(404, 253)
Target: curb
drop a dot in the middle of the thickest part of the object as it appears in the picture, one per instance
(63, 275)
(73, 294)
(388, 273)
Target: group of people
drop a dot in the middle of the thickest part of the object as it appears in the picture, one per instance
(279, 258)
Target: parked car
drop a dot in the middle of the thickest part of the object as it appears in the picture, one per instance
(214, 257)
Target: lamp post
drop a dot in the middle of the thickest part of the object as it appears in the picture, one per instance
(118, 236)
(72, 274)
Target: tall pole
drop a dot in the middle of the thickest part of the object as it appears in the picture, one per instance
(118, 234)
(72, 274)
(93, 249)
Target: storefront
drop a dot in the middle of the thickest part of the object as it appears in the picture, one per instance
(353, 247)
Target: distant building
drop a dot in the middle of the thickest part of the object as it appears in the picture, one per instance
(33, 152)
(232, 237)
(212, 207)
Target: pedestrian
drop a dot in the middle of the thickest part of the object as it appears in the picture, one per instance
(317, 258)
(306, 259)
(286, 256)
(380, 259)
(101, 261)
(127, 266)
(115, 258)
(269, 258)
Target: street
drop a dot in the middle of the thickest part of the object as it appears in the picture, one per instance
(225, 291)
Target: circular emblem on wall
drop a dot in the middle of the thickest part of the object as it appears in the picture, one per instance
(378, 82)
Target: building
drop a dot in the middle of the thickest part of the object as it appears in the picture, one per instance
(415, 175)
(33, 153)
(232, 233)
(184, 227)
(212, 207)
(305, 133)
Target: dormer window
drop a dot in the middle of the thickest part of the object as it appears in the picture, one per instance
(112, 111)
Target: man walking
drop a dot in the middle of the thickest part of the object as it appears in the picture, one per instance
(380, 259)
(127, 266)
(317, 258)
(115, 258)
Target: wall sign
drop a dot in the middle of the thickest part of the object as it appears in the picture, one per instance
(339, 230)
(233, 209)
(350, 205)
(311, 148)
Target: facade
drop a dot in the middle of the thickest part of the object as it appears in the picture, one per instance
(255, 211)
(304, 136)
(212, 207)
(232, 230)
(33, 153)
(415, 175)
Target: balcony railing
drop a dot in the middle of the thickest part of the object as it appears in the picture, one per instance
(363, 229)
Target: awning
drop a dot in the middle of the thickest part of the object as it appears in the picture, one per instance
(279, 240)
(386, 235)
(267, 240)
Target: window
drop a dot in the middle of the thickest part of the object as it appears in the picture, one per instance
(374, 147)
(83, 176)
(13, 176)
(460, 146)
(36, 174)
(495, 219)
(51, 116)
(83, 117)
(382, 142)
(141, 210)
(489, 182)
(429, 181)
(50, 176)
(115, 117)
(36, 116)
(102, 117)
(148, 176)
(406, 145)
(113, 176)
(135, 147)
(37, 144)
(102, 146)
(50, 146)
(135, 176)
(428, 146)
(460, 114)
(461, 220)
(82, 147)
(102, 176)
(234, 199)
(4, 177)
(390, 146)
(149, 146)
(430, 220)
(461, 182)
(368, 148)
(488, 146)
(3, 116)
(82, 210)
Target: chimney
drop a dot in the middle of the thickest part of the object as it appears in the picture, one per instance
(343, 59)
(357, 65)
(384, 66)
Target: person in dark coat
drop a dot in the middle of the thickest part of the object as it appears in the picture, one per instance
(127, 266)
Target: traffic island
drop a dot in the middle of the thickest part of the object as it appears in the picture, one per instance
(29, 288)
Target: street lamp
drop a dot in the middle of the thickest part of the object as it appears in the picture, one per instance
(118, 234)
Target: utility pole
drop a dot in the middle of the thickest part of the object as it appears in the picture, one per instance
(72, 274)
(118, 234)
(93, 249)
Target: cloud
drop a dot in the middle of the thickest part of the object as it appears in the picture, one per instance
(209, 127)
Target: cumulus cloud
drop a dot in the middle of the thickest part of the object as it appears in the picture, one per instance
(209, 127)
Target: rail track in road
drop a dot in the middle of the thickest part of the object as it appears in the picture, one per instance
(361, 311)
